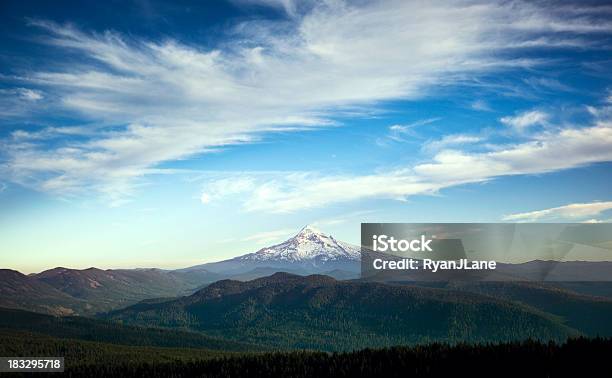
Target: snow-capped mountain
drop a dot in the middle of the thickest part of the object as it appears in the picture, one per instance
(310, 251)
(308, 245)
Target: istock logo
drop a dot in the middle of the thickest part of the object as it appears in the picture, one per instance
(383, 243)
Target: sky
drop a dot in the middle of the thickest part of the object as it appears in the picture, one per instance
(169, 134)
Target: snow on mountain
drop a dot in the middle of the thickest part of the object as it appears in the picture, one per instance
(308, 252)
(309, 244)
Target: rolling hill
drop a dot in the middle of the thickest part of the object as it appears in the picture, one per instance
(318, 312)
(590, 314)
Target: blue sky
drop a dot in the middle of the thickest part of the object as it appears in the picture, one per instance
(173, 133)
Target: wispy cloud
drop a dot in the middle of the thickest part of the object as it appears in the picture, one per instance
(29, 94)
(451, 140)
(575, 211)
(480, 105)
(402, 132)
(523, 121)
(168, 100)
(18, 102)
(543, 152)
(268, 237)
(547, 84)
(597, 221)
(49, 133)
(226, 187)
(360, 215)
(290, 7)
(264, 237)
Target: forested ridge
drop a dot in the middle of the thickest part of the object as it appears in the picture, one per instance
(318, 312)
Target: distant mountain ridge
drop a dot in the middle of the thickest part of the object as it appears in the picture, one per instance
(25, 292)
(64, 291)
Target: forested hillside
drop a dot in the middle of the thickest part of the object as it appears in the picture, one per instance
(110, 332)
(318, 312)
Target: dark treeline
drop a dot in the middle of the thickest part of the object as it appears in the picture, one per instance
(577, 357)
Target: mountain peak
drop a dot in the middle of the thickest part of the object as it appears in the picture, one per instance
(309, 244)
(310, 232)
(309, 229)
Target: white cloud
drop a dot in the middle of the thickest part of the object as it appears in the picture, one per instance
(361, 216)
(568, 212)
(289, 6)
(51, 133)
(18, 102)
(400, 133)
(452, 140)
(29, 94)
(178, 100)
(547, 84)
(545, 152)
(597, 221)
(480, 105)
(525, 120)
(226, 187)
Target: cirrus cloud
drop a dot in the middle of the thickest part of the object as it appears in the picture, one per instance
(545, 152)
(150, 102)
(572, 211)
(525, 120)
